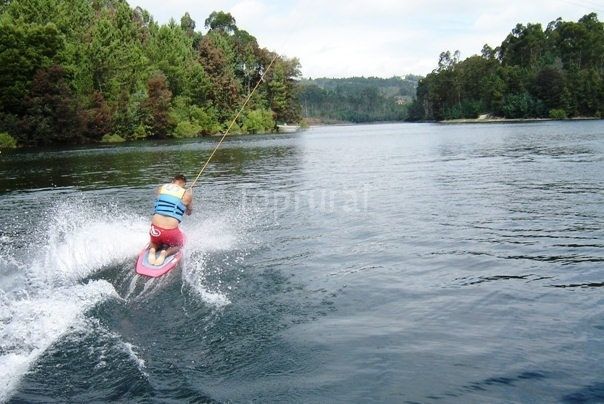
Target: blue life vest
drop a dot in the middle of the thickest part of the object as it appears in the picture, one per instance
(169, 202)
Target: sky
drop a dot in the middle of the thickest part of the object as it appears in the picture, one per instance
(381, 38)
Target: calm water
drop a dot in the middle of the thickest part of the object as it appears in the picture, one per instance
(389, 263)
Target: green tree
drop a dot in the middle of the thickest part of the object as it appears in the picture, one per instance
(187, 25)
(170, 49)
(531, 73)
(105, 58)
(590, 93)
(7, 141)
(550, 87)
(224, 90)
(221, 21)
(52, 114)
(258, 121)
(524, 46)
(282, 91)
(24, 49)
(157, 106)
(97, 117)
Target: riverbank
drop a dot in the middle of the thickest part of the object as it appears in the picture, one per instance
(315, 121)
(489, 119)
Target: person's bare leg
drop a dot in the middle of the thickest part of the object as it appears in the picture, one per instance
(164, 253)
(151, 257)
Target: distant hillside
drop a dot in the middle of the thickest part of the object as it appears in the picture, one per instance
(357, 99)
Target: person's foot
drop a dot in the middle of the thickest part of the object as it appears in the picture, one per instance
(161, 258)
(151, 256)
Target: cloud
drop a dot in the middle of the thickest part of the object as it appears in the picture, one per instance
(383, 38)
(249, 10)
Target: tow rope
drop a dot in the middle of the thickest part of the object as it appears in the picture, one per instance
(233, 122)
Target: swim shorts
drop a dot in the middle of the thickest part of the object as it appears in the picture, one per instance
(167, 237)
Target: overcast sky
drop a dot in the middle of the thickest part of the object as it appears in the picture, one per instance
(384, 38)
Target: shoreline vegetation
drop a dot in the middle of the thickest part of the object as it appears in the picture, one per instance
(492, 119)
(75, 72)
(553, 73)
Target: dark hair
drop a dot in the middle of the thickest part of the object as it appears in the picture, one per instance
(180, 177)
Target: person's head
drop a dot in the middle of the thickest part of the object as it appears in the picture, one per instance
(179, 180)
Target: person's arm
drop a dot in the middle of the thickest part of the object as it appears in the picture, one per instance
(188, 201)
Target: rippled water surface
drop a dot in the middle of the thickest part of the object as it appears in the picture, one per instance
(390, 263)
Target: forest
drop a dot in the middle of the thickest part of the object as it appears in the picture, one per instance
(75, 71)
(357, 99)
(535, 73)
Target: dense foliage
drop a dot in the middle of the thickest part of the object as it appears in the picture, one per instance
(357, 99)
(557, 72)
(76, 71)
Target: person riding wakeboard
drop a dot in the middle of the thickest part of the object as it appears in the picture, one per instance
(172, 202)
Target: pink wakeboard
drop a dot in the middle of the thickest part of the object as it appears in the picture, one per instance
(143, 267)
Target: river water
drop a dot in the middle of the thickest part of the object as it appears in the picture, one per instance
(386, 263)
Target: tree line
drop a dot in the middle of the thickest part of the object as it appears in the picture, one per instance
(76, 71)
(556, 73)
(357, 99)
